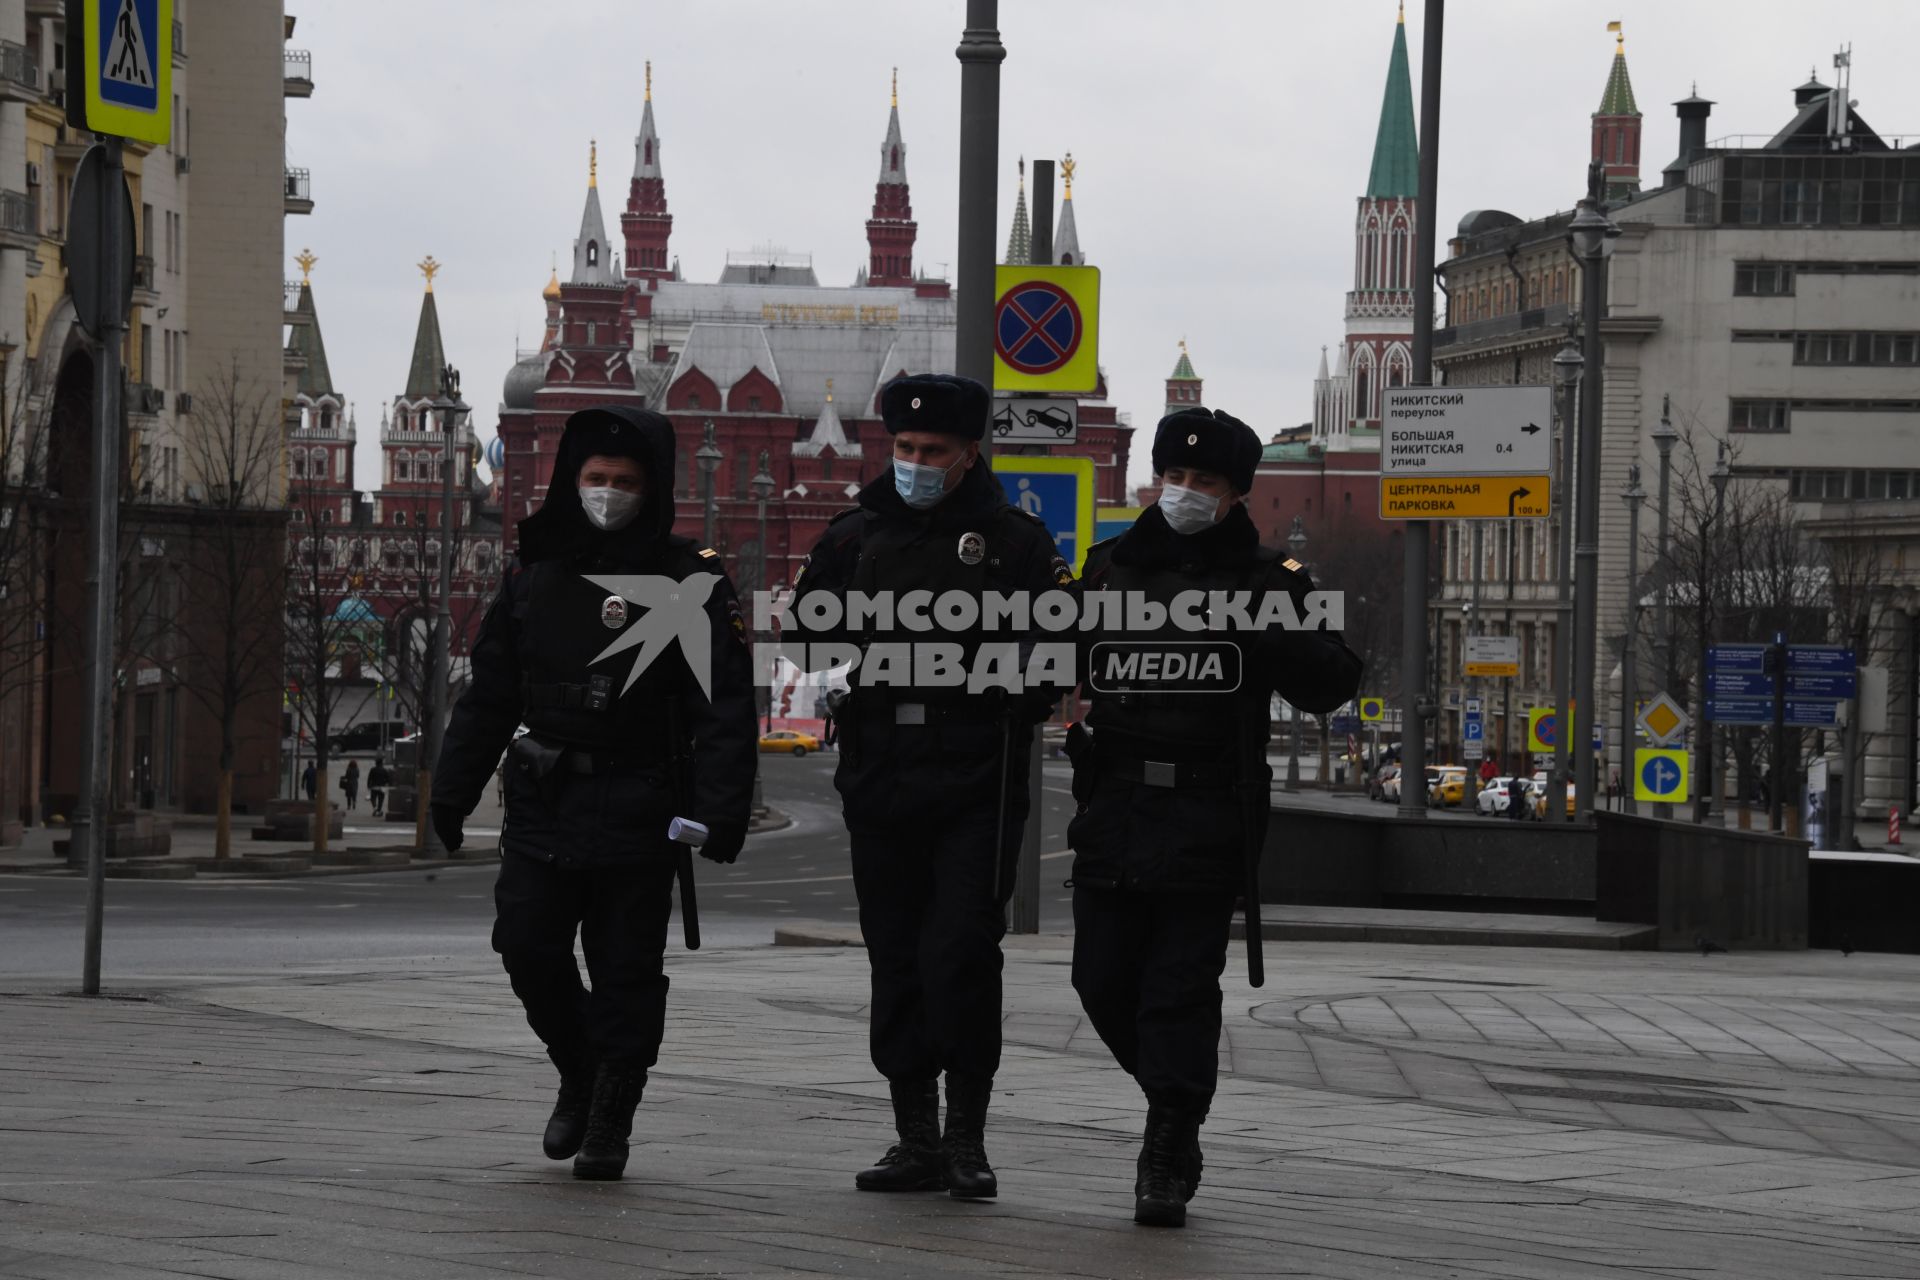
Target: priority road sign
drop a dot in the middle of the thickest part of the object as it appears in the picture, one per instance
(1057, 490)
(1463, 497)
(1467, 431)
(1373, 710)
(122, 52)
(1660, 775)
(1046, 329)
(1664, 720)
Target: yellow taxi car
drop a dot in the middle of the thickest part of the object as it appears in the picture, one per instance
(789, 742)
(1446, 786)
(1540, 798)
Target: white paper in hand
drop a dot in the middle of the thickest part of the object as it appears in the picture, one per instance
(688, 832)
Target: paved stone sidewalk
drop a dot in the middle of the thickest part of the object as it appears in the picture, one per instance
(1384, 1110)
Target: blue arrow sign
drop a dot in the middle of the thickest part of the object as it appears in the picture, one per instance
(1820, 659)
(1801, 685)
(1738, 684)
(1737, 657)
(1660, 776)
(1740, 710)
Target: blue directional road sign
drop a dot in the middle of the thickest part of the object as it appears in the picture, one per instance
(1346, 722)
(1740, 710)
(1660, 776)
(1737, 657)
(1739, 684)
(1808, 685)
(1475, 729)
(1812, 713)
(1820, 658)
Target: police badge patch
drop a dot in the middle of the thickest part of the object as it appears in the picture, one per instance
(613, 613)
(973, 548)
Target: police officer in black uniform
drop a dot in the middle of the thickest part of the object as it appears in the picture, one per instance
(596, 642)
(1172, 780)
(934, 779)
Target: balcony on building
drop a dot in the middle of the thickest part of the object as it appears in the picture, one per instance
(145, 291)
(299, 82)
(19, 73)
(179, 42)
(19, 221)
(145, 400)
(299, 191)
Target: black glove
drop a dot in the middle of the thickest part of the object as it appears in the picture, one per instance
(724, 841)
(447, 823)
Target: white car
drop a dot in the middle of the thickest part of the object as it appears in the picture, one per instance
(1493, 797)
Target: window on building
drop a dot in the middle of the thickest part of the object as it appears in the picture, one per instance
(299, 464)
(1843, 348)
(401, 469)
(753, 404)
(693, 400)
(400, 518)
(593, 253)
(1758, 415)
(1763, 279)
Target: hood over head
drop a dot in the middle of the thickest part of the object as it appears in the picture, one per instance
(560, 527)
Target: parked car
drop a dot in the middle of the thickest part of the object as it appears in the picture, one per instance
(1538, 798)
(1492, 799)
(1390, 784)
(1446, 786)
(789, 742)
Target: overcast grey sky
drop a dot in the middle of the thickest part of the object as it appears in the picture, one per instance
(1220, 143)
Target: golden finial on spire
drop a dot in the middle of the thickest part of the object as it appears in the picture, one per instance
(649, 80)
(1066, 172)
(1403, 12)
(429, 268)
(305, 259)
(1183, 346)
(1023, 173)
(829, 390)
(593, 162)
(552, 291)
(1620, 35)
(896, 86)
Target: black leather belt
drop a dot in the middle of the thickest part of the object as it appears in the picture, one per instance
(588, 763)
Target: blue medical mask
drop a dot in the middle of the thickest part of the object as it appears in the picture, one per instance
(920, 487)
(1188, 510)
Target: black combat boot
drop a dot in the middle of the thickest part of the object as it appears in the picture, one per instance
(567, 1126)
(616, 1092)
(969, 1176)
(1168, 1169)
(915, 1163)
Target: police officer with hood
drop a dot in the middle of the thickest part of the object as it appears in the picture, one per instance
(621, 647)
(933, 779)
(1171, 776)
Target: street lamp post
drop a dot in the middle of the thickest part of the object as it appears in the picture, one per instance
(1589, 237)
(453, 411)
(762, 486)
(708, 455)
(1567, 364)
(1296, 543)
(1706, 768)
(1663, 437)
(1633, 497)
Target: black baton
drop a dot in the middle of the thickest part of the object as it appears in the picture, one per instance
(682, 799)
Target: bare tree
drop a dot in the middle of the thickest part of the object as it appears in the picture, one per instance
(236, 566)
(23, 551)
(319, 631)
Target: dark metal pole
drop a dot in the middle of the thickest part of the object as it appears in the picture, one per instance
(442, 674)
(1782, 772)
(1415, 696)
(1628, 668)
(1663, 620)
(1563, 618)
(1586, 551)
(1040, 236)
(980, 54)
(103, 565)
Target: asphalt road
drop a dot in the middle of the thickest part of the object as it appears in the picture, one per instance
(209, 927)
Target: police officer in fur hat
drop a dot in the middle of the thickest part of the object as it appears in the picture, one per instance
(933, 777)
(1171, 779)
(610, 637)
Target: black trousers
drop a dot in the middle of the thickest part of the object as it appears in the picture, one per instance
(933, 928)
(621, 915)
(1147, 967)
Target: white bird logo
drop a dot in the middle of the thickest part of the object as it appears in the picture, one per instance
(674, 609)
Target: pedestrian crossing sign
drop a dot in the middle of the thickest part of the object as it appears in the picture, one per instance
(122, 51)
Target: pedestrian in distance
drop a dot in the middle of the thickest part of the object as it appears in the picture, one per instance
(1171, 781)
(310, 780)
(622, 649)
(350, 783)
(933, 779)
(378, 779)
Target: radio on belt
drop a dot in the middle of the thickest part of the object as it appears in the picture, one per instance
(688, 832)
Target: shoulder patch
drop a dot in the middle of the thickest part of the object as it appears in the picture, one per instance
(1291, 563)
(1062, 572)
(708, 553)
